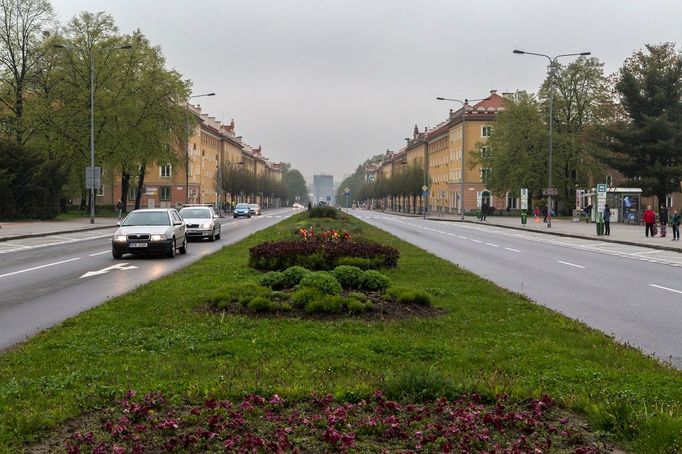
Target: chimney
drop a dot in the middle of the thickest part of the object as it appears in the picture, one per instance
(416, 131)
(507, 95)
(493, 92)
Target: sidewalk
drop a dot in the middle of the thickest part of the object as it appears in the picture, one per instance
(18, 230)
(620, 233)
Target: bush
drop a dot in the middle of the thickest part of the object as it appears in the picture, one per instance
(323, 212)
(274, 280)
(242, 295)
(301, 297)
(328, 304)
(293, 275)
(322, 281)
(374, 281)
(361, 262)
(260, 304)
(404, 295)
(356, 306)
(350, 277)
(358, 296)
(317, 255)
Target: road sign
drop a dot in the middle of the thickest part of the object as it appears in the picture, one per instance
(425, 188)
(346, 191)
(524, 198)
(550, 191)
(601, 187)
(93, 177)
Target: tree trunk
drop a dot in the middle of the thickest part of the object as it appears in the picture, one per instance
(140, 185)
(125, 184)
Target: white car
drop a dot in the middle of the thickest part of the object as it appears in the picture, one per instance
(298, 206)
(150, 230)
(202, 222)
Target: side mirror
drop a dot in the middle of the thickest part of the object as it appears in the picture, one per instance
(118, 223)
(215, 216)
(178, 223)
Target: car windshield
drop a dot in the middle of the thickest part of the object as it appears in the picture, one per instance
(147, 218)
(253, 205)
(194, 213)
(242, 205)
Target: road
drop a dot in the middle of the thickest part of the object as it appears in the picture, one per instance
(633, 293)
(46, 280)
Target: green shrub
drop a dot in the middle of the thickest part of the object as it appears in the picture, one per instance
(328, 304)
(358, 296)
(421, 385)
(349, 276)
(294, 274)
(356, 306)
(260, 304)
(323, 212)
(301, 297)
(274, 280)
(374, 281)
(322, 281)
(363, 263)
(404, 295)
(242, 295)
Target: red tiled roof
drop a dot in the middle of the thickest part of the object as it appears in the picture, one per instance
(494, 100)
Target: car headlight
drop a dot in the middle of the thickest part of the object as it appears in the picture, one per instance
(157, 237)
(207, 225)
(119, 238)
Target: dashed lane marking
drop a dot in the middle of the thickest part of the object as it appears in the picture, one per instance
(570, 264)
(39, 267)
(666, 288)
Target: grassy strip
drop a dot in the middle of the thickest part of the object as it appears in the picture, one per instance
(491, 341)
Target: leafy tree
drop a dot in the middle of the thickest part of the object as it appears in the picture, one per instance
(646, 146)
(295, 185)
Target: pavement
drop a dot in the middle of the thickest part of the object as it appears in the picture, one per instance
(620, 233)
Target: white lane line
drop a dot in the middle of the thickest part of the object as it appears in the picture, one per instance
(513, 250)
(462, 237)
(491, 244)
(476, 241)
(98, 253)
(570, 264)
(39, 267)
(665, 288)
(451, 234)
(440, 232)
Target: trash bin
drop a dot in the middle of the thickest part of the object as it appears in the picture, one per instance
(576, 215)
(524, 217)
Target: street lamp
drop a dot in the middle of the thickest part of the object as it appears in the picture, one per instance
(187, 143)
(91, 57)
(552, 63)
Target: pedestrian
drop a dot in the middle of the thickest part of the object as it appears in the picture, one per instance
(607, 220)
(484, 210)
(588, 212)
(310, 205)
(536, 214)
(675, 223)
(544, 213)
(663, 218)
(119, 208)
(649, 218)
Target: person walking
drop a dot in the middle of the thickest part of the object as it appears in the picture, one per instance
(649, 218)
(484, 210)
(663, 218)
(588, 212)
(544, 213)
(536, 214)
(675, 223)
(119, 208)
(607, 220)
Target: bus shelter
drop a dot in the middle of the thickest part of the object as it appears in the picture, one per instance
(623, 202)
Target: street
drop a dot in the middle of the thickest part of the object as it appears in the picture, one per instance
(633, 293)
(46, 280)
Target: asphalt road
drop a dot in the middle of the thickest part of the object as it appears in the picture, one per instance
(46, 280)
(632, 293)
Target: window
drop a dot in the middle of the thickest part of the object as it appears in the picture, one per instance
(486, 130)
(511, 202)
(164, 193)
(165, 171)
(668, 200)
(485, 152)
(609, 180)
(131, 192)
(485, 174)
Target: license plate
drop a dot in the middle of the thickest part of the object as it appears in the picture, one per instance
(138, 244)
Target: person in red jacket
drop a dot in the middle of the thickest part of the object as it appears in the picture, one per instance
(649, 218)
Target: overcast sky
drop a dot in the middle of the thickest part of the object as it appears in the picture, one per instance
(325, 84)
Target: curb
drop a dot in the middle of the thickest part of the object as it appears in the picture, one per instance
(58, 232)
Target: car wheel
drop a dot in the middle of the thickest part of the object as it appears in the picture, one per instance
(235, 216)
(183, 248)
(116, 254)
(217, 237)
(170, 253)
(248, 216)
(212, 237)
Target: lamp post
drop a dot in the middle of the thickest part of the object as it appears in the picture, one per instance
(91, 57)
(187, 142)
(552, 63)
(464, 103)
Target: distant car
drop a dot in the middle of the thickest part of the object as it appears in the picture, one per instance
(150, 230)
(241, 210)
(254, 208)
(298, 206)
(202, 222)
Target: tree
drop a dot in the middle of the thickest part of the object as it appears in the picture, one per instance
(295, 185)
(22, 24)
(646, 146)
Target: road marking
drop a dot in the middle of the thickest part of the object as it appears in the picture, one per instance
(98, 253)
(491, 244)
(39, 267)
(665, 288)
(118, 266)
(476, 241)
(462, 237)
(570, 264)
(440, 232)
(451, 234)
(513, 250)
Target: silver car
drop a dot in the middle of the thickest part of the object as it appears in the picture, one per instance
(152, 230)
(254, 208)
(202, 222)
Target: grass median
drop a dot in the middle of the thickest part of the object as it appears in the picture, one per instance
(161, 338)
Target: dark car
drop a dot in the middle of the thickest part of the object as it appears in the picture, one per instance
(241, 210)
(152, 230)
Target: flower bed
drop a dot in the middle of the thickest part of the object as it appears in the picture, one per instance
(319, 424)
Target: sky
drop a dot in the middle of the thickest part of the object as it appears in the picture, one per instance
(326, 84)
